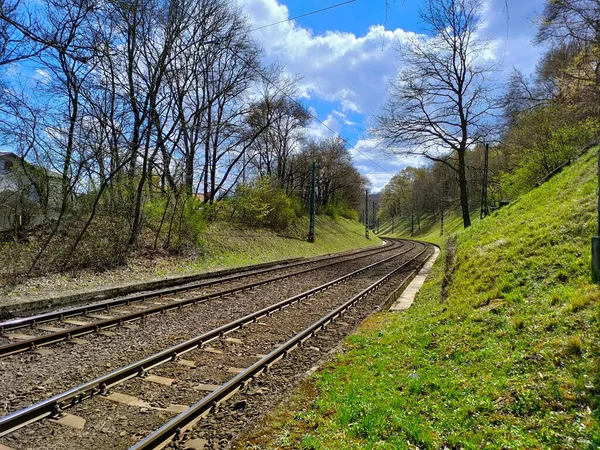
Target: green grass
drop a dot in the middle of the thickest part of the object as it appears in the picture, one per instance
(227, 246)
(224, 246)
(503, 354)
(430, 228)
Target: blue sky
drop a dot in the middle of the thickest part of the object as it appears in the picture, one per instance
(345, 57)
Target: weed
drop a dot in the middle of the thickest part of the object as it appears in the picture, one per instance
(574, 346)
(556, 300)
(518, 323)
(585, 299)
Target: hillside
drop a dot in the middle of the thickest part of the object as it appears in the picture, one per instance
(500, 350)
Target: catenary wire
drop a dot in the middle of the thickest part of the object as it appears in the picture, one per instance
(304, 15)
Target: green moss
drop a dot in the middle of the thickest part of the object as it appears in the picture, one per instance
(509, 357)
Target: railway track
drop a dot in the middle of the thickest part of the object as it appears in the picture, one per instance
(67, 324)
(312, 311)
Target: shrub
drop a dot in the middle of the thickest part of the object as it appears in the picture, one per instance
(260, 204)
(177, 222)
(340, 209)
(552, 145)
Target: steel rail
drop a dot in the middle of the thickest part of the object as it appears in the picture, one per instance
(31, 321)
(172, 430)
(94, 327)
(53, 406)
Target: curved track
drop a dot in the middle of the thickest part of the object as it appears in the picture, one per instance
(263, 332)
(63, 327)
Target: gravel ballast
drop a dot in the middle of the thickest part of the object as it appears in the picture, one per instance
(32, 377)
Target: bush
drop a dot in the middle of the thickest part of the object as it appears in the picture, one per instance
(552, 145)
(177, 222)
(340, 209)
(260, 204)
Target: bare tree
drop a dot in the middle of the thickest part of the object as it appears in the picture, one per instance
(440, 103)
(565, 21)
(573, 29)
(274, 149)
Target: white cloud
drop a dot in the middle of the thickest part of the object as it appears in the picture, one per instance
(344, 118)
(317, 131)
(367, 150)
(388, 162)
(336, 66)
(377, 179)
(42, 75)
(353, 71)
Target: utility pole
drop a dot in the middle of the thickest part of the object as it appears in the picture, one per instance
(311, 229)
(373, 217)
(596, 239)
(484, 197)
(367, 213)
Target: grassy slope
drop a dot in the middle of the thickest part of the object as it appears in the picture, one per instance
(510, 358)
(224, 247)
(231, 247)
(430, 230)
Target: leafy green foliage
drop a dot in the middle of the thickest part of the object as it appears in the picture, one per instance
(541, 141)
(261, 204)
(340, 209)
(176, 221)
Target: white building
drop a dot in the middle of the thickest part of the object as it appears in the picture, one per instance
(20, 199)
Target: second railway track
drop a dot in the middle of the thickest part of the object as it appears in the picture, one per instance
(160, 401)
(75, 322)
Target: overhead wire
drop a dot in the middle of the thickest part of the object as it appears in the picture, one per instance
(310, 113)
(304, 15)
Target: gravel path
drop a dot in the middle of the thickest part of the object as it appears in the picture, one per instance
(30, 377)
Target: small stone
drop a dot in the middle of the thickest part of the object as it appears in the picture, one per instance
(123, 433)
(258, 391)
(196, 444)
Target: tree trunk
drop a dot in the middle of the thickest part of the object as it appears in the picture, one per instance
(462, 182)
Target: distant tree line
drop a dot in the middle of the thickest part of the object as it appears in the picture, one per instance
(147, 114)
(442, 107)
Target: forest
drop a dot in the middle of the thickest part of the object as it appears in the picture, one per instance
(131, 124)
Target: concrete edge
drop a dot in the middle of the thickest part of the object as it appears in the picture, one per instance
(395, 295)
(421, 272)
(342, 345)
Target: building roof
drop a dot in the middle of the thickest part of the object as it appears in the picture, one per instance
(50, 173)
